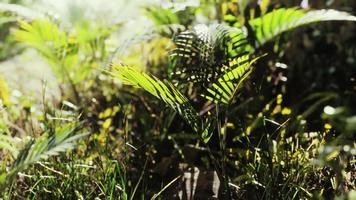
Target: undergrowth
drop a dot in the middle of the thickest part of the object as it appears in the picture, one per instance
(224, 100)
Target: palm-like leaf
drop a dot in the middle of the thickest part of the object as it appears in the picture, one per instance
(224, 89)
(60, 49)
(40, 148)
(202, 53)
(164, 91)
(70, 55)
(278, 21)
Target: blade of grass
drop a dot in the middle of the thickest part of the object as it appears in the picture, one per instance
(165, 187)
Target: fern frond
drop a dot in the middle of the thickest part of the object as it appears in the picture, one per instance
(41, 148)
(224, 89)
(53, 43)
(43, 35)
(63, 51)
(278, 21)
(202, 53)
(163, 90)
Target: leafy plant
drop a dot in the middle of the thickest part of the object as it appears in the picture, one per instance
(248, 122)
(62, 49)
(219, 58)
(222, 92)
(29, 150)
(204, 53)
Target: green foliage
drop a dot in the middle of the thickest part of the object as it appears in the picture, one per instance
(32, 150)
(273, 23)
(219, 57)
(60, 48)
(226, 86)
(221, 92)
(279, 128)
(9, 15)
(162, 17)
(164, 91)
(203, 53)
(55, 45)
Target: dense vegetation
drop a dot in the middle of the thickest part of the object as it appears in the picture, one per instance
(180, 100)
